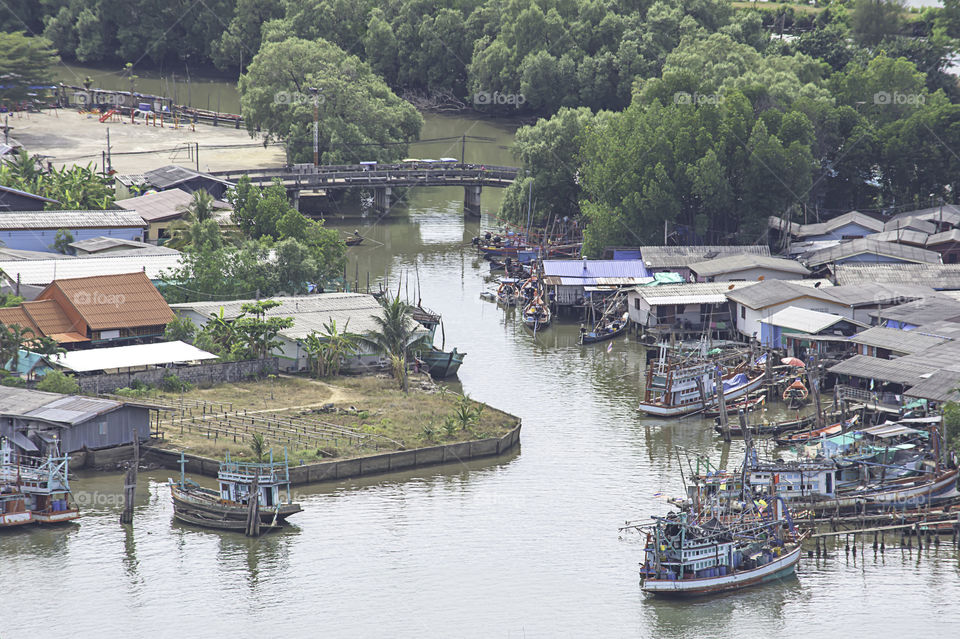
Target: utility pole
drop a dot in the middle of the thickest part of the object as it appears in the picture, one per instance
(316, 125)
(463, 148)
(109, 159)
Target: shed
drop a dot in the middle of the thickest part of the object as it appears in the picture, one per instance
(12, 199)
(179, 177)
(700, 306)
(570, 278)
(76, 422)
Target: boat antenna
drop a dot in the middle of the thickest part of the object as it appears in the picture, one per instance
(676, 449)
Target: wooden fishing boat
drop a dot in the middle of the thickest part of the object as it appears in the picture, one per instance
(747, 403)
(206, 520)
(354, 240)
(767, 428)
(507, 293)
(606, 330)
(13, 508)
(816, 433)
(232, 502)
(43, 482)
(537, 315)
(795, 394)
(676, 387)
(441, 364)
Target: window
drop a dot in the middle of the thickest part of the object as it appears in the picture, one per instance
(743, 312)
(103, 427)
(636, 303)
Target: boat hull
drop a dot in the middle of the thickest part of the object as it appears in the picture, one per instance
(441, 365)
(195, 518)
(660, 410)
(777, 569)
(194, 501)
(56, 517)
(593, 338)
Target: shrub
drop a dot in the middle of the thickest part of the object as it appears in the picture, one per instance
(173, 384)
(58, 382)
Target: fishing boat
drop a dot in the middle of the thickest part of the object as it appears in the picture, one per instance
(795, 394)
(197, 505)
(682, 385)
(816, 433)
(756, 399)
(354, 239)
(507, 293)
(685, 558)
(537, 315)
(530, 289)
(43, 482)
(441, 364)
(767, 427)
(605, 329)
(13, 507)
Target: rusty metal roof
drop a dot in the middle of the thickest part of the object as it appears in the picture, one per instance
(49, 317)
(113, 301)
(15, 316)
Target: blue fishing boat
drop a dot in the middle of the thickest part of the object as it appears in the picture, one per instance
(441, 364)
(605, 329)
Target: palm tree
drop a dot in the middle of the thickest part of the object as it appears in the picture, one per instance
(13, 338)
(395, 334)
(188, 229)
(335, 346)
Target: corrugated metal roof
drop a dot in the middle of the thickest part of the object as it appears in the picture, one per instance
(130, 356)
(734, 263)
(940, 387)
(171, 175)
(47, 220)
(860, 246)
(947, 214)
(771, 292)
(897, 371)
(49, 317)
(689, 293)
(162, 205)
(924, 311)
(905, 236)
(684, 256)
(309, 312)
(17, 316)
(102, 243)
(897, 340)
(125, 300)
(804, 320)
(852, 217)
(42, 272)
(18, 401)
(936, 276)
(587, 271)
(911, 222)
(73, 409)
(953, 235)
(869, 294)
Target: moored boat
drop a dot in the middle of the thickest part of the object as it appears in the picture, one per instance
(441, 364)
(13, 508)
(43, 482)
(537, 315)
(816, 433)
(605, 330)
(795, 394)
(224, 509)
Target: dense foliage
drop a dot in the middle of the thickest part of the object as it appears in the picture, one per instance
(75, 188)
(278, 250)
(24, 62)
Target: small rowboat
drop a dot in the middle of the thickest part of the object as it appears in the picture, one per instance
(536, 315)
(795, 394)
(812, 435)
(354, 239)
(605, 330)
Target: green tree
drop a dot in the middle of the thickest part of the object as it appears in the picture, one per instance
(62, 241)
(58, 382)
(873, 20)
(360, 118)
(395, 335)
(24, 61)
(180, 329)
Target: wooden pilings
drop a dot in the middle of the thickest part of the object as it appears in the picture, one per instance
(253, 510)
(130, 483)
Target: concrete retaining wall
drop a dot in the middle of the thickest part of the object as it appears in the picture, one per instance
(360, 467)
(200, 374)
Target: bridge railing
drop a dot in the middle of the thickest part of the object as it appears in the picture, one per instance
(379, 170)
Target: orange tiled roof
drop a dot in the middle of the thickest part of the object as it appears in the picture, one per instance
(15, 316)
(126, 300)
(49, 317)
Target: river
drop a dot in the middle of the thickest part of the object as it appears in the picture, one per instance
(524, 546)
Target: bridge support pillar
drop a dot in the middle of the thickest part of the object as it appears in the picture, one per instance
(471, 200)
(295, 199)
(381, 199)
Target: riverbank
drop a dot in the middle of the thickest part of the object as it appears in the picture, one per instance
(67, 137)
(337, 420)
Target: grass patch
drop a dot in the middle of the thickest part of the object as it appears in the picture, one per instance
(358, 416)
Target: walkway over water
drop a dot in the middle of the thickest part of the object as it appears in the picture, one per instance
(382, 178)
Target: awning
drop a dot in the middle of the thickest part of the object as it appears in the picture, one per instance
(24, 442)
(889, 429)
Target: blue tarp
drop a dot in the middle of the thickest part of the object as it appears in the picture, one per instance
(737, 380)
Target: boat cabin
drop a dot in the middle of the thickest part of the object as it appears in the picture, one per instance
(236, 482)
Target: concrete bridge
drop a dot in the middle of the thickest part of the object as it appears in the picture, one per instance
(382, 178)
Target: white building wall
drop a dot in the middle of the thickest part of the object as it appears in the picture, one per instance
(750, 324)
